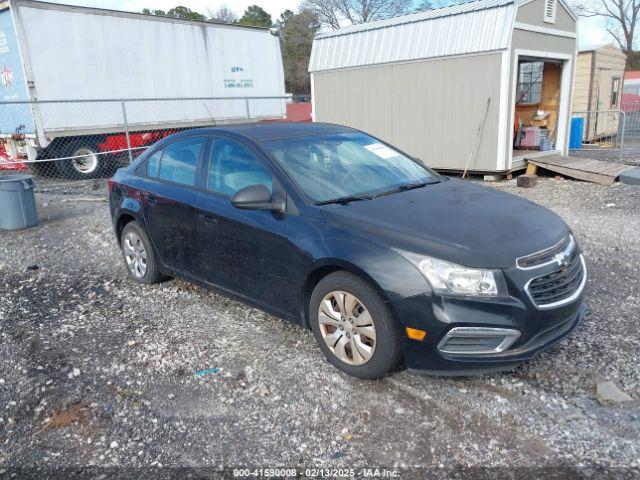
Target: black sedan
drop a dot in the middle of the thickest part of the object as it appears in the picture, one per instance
(385, 260)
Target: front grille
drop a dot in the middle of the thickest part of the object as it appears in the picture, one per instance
(547, 255)
(558, 285)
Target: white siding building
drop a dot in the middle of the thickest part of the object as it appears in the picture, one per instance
(423, 81)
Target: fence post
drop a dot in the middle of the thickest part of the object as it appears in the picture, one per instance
(624, 123)
(126, 129)
(246, 104)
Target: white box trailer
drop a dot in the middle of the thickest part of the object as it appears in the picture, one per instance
(67, 57)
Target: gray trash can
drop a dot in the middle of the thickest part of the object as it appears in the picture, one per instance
(17, 202)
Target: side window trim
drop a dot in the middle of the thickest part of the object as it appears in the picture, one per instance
(202, 169)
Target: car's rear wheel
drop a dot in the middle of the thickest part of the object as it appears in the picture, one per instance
(138, 254)
(353, 327)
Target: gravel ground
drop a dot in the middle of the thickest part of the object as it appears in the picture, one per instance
(96, 371)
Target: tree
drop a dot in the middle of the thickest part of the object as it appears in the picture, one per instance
(431, 4)
(185, 12)
(160, 13)
(224, 15)
(296, 33)
(334, 13)
(256, 17)
(284, 18)
(620, 16)
(177, 12)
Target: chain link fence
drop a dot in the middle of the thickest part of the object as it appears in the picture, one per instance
(88, 139)
(631, 150)
(610, 135)
(603, 134)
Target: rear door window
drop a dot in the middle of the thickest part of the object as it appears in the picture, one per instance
(233, 167)
(180, 160)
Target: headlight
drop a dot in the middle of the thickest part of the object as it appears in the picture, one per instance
(450, 278)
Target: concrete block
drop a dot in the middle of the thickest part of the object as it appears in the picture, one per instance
(630, 177)
(527, 181)
(493, 178)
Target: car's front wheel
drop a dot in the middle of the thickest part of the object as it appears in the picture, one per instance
(138, 254)
(353, 327)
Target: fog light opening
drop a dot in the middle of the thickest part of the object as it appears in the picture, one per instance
(477, 340)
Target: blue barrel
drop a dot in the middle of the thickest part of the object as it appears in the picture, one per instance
(577, 129)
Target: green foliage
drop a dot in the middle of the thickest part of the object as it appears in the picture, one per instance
(160, 13)
(296, 34)
(284, 18)
(177, 12)
(255, 16)
(185, 12)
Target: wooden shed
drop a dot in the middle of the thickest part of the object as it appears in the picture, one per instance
(485, 84)
(598, 88)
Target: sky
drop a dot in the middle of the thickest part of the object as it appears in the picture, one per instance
(274, 7)
(590, 31)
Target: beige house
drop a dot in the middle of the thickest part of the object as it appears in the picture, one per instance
(598, 89)
(423, 81)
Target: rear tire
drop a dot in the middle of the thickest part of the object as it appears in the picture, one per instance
(88, 164)
(138, 254)
(361, 337)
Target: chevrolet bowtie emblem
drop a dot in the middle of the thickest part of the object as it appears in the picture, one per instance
(561, 259)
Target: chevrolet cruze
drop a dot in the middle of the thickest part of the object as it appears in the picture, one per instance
(386, 261)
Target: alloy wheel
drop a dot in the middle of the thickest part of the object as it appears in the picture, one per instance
(135, 255)
(347, 327)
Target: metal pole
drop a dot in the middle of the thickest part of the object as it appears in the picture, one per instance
(246, 104)
(126, 130)
(623, 115)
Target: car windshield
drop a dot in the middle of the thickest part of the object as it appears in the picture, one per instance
(339, 166)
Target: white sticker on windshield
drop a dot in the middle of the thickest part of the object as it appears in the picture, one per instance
(381, 150)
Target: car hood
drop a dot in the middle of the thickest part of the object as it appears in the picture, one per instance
(454, 220)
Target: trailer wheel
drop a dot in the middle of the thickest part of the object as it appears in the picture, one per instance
(86, 161)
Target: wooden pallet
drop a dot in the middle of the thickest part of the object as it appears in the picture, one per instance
(595, 171)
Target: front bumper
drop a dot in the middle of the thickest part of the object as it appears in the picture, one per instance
(540, 329)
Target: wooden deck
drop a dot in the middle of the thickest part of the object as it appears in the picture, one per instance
(603, 173)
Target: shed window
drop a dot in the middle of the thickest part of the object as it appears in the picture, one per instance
(615, 87)
(550, 11)
(530, 82)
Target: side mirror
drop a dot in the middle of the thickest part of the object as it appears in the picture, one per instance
(257, 197)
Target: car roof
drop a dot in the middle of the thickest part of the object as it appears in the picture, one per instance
(263, 132)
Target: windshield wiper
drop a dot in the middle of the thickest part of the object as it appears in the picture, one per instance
(355, 198)
(347, 199)
(407, 186)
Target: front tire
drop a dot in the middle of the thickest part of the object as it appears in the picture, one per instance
(138, 254)
(353, 326)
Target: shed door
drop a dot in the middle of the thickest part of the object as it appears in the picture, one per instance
(606, 123)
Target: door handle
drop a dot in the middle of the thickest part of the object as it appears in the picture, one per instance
(208, 219)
